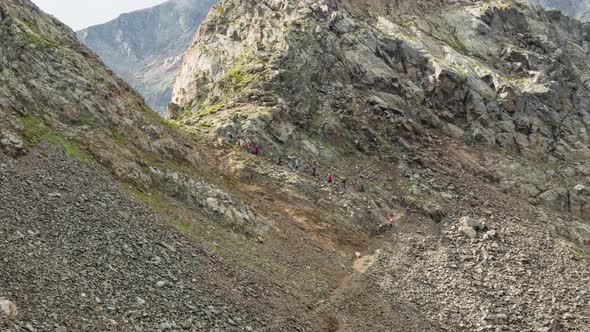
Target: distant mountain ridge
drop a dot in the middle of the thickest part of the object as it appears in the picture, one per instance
(579, 9)
(145, 47)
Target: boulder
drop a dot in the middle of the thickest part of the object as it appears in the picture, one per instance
(555, 198)
(8, 308)
(519, 61)
(490, 235)
(435, 212)
(468, 231)
(476, 224)
(581, 189)
(12, 144)
(342, 24)
(173, 111)
(212, 204)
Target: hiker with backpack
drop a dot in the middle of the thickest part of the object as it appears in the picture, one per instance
(362, 186)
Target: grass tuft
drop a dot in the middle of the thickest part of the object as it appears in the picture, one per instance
(34, 129)
(75, 151)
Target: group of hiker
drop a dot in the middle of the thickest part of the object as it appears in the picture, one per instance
(247, 146)
(255, 149)
(330, 179)
(383, 228)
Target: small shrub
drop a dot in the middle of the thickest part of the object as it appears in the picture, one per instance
(172, 123)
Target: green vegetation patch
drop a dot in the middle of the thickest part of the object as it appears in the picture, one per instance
(34, 129)
(34, 36)
(77, 152)
(172, 123)
(154, 200)
(578, 252)
(244, 73)
(55, 138)
(210, 109)
(7, 73)
(240, 77)
(220, 9)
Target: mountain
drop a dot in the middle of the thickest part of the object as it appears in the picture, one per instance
(145, 47)
(502, 83)
(79, 235)
(473, 114)
(579, 9)
(325, 166)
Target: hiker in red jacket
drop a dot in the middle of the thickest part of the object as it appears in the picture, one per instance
(257, 149)
(330, 179)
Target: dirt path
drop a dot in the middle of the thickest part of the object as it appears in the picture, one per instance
(358, 303)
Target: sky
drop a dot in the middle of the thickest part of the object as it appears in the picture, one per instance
(79, 14)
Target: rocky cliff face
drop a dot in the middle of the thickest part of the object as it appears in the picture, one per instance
(145, 47)
(514, 78)
(58, 90)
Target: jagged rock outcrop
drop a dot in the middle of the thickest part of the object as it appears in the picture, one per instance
(145, 47)
(514, 78)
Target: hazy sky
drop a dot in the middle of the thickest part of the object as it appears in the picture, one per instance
(80, 14)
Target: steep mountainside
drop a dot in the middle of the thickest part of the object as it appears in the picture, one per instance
(145, 47)
(579, 9)
(82, 252)
(467, 110)
(181, 239)
(464, 122)
(515, 78)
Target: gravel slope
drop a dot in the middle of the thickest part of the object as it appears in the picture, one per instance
(78, 253)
